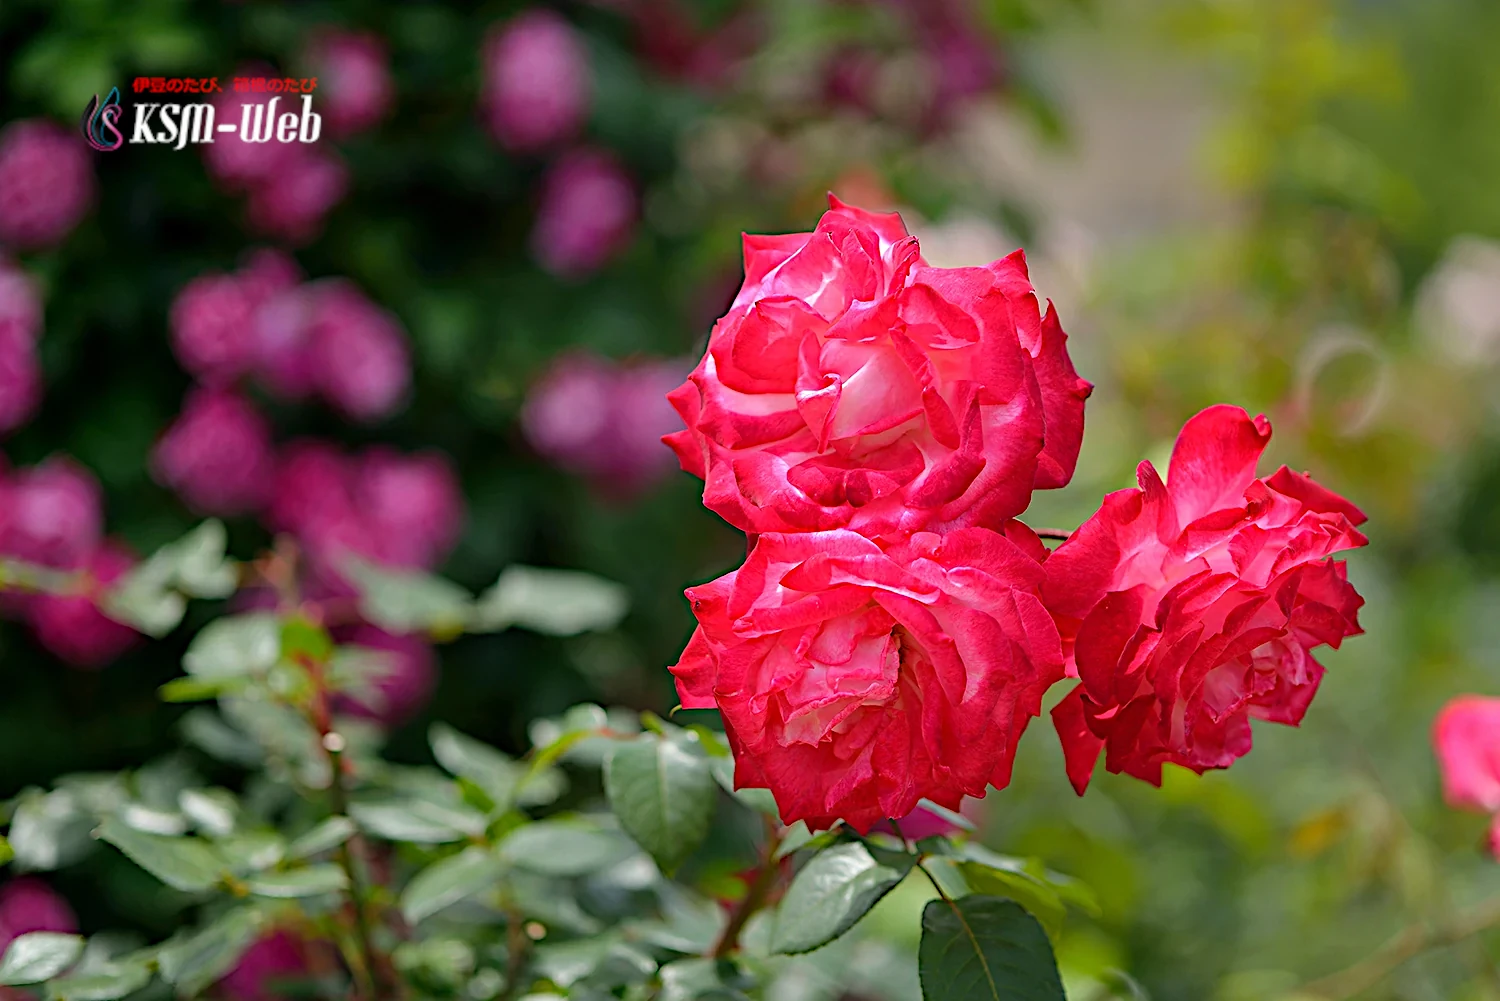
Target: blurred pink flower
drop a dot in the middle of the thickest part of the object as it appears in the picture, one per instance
(1467, 738)
(217, 456)
(236, 164)
(267, 271)
(406, 679)
(20, 377)
(354, 81)
(282, 332)
(536, 82)
(586, 216)
(604, 421)
(292, 204)
(27, 904)
(412, 503)
(46, 183)
(72, 627)
(265, 967)
(55, 513)
(20, 302)
(211, 332)
(357, 352)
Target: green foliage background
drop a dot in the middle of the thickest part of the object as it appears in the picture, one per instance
(1350, 141)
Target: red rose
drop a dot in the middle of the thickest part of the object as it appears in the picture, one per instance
(1191, 607)
(1467, 738)
(852, 386)
(856, 678)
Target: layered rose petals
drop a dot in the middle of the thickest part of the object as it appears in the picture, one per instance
(1467, 738)
(856, 678)
(851, 386)
(1188, 608)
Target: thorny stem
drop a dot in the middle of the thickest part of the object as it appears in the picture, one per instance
(365, 967)
(517, 943)
(755, 895)
(1409, 943)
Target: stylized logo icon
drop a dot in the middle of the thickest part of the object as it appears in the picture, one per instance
(99, 120)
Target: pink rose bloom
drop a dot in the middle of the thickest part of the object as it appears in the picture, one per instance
(56, 514)
(282, 335)
(354, 81)
(850, 385)
(412, 503)
(266, 271)
(217, 456)
(603, 421)
(211, 331)
(406, 679)
(72, 627)
(311, 490)
(262, 973)
(1467, 738)
(27, 904)
(586, 216)
(536, 82)
(292, 205)
(46, 183)
(239, 165)
(357, 352)
(20, 377)
(1192, 607)
(20, 302)
(856, 679)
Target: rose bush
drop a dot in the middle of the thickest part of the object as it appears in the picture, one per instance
(852, 386)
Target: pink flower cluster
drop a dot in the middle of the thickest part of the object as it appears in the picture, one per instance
(535, 99)
(46, 184)
(291, 187)
(51, 515)
(1467, 738)
(20, 328)
(604, 421)
(876, 426)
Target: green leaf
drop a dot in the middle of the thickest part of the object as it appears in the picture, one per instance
(463, 756)
(829, 895)
(113, 980)
(445, 883)
(326, 836)
(235, 647)
(183, 863)
(408, 601)
(212, 811)
(192, 962)
(416, 821)
(555, 602)
(150, 596)
(38, 956)
(308, 882)
(7, 853)
(663, 793)
(981, 948)
(302, 639)
(49, 830)
(560, 848)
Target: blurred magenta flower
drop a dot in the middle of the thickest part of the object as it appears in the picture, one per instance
(604, 421)
(412, 503)
(586, 216)
(536, 82)
(266, 967)
(217, 455)
(293, 205)
(238, 165)
(46, 183)
(354, 80)
(1467, 738)
(20, 377)
(27, 904)
(20, 302)
(72, 627)
(211, 332)
(405, 681)
(358, 355)
(55, 514)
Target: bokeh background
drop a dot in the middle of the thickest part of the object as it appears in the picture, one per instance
(514, 236)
